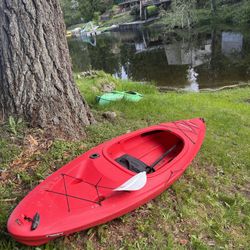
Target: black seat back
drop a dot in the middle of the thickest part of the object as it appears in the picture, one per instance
(132, 163)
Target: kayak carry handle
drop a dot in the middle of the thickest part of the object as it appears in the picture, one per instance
(35, 221)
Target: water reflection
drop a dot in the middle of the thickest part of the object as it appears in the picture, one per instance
(184, 60)
(181, 53)
(192, 79)
(87, 39)
(231, 43)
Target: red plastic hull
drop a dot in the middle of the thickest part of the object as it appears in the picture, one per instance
(80, 194)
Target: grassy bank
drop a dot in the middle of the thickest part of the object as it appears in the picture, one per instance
(124, 17)
(207, 208)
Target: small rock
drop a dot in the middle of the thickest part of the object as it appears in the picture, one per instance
(38, 158)
(109, 115)
(149, 205)
(82, 74)
(107, 87)
(211, 243)
(88, 73)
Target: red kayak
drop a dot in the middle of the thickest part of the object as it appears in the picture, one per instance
(106, 182)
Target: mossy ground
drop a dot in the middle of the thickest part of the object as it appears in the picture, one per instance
(207, 208)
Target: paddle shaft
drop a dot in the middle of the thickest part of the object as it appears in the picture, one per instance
(162, 157)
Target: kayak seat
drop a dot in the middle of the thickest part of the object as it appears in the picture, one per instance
(133, 164)
(131, 92)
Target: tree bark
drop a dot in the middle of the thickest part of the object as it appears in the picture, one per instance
(36, 80)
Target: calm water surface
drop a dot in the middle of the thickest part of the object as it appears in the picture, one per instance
(189, 60)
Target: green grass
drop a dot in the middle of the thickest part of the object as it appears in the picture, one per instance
(7, 152)
(124, 17)
(91, 86)
(208, 208)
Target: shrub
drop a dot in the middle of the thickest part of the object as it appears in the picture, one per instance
(135, 11)
(96, 16)
(235, 14)
(152, 10)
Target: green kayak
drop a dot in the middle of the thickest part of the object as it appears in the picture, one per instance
(119, 95)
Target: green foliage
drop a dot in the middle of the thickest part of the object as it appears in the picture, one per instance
(203, 16)
(182, 14)
(235, 13)
(96, 16)
(199, 12)
(14, 124)
(152, 10)
(88, 8)
(71, 12)
(83, 10)
(119, 18)
(227, 12)
(8, 151)
(135, 10)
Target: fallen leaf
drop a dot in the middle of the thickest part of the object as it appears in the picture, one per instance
(183, 242)
(32, 140)
(3, 175)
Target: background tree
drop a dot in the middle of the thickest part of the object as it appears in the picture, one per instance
(89, 7)
(182, 14)
(71, 12)
(36, 79)
(213, 6)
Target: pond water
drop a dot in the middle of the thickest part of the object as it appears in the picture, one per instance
(189, 60)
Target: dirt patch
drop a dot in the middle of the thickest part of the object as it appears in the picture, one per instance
(246, 190)
(210, 170)
(32, 146)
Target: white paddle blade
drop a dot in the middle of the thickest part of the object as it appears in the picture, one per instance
(135, 183)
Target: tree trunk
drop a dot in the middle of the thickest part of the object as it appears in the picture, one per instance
(140, 9)
(213, 6)
(36, 80)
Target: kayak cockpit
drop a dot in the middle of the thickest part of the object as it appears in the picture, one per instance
(147, 151)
